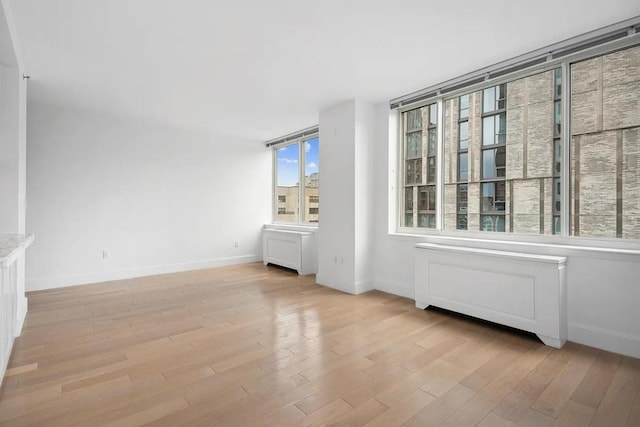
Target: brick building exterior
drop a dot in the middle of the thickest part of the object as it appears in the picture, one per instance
(605, 150)
(503, 161)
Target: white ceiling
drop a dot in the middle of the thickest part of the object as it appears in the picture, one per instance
(261, 69)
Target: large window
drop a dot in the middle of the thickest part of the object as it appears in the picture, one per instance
(504, 156)
(296, 181)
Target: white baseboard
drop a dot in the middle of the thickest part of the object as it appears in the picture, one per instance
(130, 273)
(616, 342)
(364, 286)
(395, 288)
(21, 314)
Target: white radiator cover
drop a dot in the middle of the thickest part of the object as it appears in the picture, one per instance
(521, 290)
(291, 249)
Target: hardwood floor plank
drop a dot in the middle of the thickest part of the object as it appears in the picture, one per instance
(435, 413)
(575, 415)
(557, 394)
(616, 403)
(360, 415)
(255, 345)
(597, 380)
(404, 410)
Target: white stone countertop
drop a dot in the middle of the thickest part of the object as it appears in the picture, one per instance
(12, 245)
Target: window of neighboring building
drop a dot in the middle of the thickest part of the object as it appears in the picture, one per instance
(504, 153)
(420, 166)
(296, 180)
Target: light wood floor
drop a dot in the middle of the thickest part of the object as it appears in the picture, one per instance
(250, 345)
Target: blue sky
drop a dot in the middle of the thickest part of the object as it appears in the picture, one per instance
(287, 158)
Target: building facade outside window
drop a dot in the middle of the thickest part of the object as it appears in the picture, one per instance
(504, 157)
(296, 162)
(420, 143)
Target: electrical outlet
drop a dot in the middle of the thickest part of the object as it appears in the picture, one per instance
(236, 244)
(106, 254)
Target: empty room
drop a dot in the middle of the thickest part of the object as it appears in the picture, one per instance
(296, 213)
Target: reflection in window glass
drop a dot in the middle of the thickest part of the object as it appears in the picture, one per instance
(414, 120)
(493, 163)
(433, 114)
(414, 145)
(464, 107)
(431, 170)
(493, 196)
(492, 223)
(463, 166)
(433, 142)
(463, 129)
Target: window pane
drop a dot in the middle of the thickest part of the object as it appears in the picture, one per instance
(557, 82)
(489, 100)
(433, 142)
(461, 222)
(408, 220)
(431, 194)
(414, 145)
(463, 166)
(287, 175)
(464, 106)
(426, 220)
(501, 125)
(493, 163)
(408, 207)
(489, 164)
(557, 157)
(433, 114)
(427, 198)
(557, 118)
(311, 165)
(501, 96)
(414, 171)
(422, 198)
(492, 223)
(431, 170)
(414, 119)
(501, 161)
(408, 199)
(463, 133)
(462, 198)
(493, 196)
(556, 195)
(488, 130)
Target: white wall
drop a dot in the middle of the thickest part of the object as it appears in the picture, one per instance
(336, 252)
(160, 199)
(345, 233)
(9, 149)
(602, 285)
(363, 198)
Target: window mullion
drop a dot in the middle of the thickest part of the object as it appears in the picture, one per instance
(440, 167)
(565, 208)
(274, 177)
(301, 181)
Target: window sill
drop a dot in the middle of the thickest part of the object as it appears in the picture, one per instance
(291, 227)
(547, 245)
